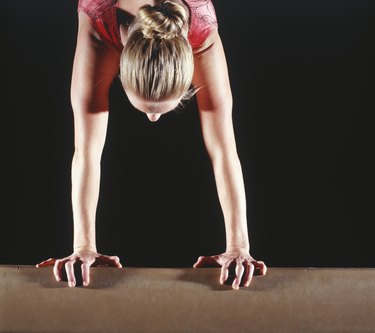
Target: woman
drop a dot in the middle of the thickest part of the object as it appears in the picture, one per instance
(161, 49)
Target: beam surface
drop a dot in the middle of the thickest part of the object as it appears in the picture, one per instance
(290, 300)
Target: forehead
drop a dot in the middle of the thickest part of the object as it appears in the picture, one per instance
(153, 106)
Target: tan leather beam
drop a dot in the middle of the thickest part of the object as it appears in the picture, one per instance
(290, 300)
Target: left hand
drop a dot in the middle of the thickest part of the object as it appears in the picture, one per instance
(86, 259)
(244, 263)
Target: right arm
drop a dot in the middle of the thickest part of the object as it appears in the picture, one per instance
(95, 66)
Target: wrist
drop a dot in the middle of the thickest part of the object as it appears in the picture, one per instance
(84, 248)
(238, 248)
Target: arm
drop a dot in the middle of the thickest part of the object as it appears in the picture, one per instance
(215, 108)
(95, 66)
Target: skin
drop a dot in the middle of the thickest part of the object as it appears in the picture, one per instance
(96, 64)
(153, 110)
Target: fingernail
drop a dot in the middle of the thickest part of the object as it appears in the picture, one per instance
(71, 284)
(85, 284)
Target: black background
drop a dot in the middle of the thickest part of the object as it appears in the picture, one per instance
(302, 77)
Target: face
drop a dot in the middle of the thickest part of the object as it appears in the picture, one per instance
(153, 110)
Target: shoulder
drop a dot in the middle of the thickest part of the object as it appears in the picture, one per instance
(89, 35)
(212, 38)
(202, 22)
(99, 18)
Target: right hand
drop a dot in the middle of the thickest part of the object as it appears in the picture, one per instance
(86, 258)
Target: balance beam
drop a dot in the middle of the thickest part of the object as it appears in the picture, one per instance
(290, 300)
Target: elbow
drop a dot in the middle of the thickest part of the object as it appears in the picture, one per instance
(217, 101)
(219, 155)
(219, 106)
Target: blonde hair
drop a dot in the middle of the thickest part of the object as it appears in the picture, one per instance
(157, 59)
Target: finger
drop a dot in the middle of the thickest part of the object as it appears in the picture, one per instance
(102, 261)
(204, 261)
(199, 262)
(45, 263)
(116, 261)
(69, 268)
(239, 272)
(249, 276)
(224, 273)
(85, 268)
(57, 269)
(261, 266)
(106, 261)
(109, 263)
(114, 258)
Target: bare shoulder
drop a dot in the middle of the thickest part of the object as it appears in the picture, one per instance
(86, 29)
(89, 35)
(96, 63)
(211, 39)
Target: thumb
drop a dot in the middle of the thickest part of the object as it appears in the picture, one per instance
(210, 261)
(45, 263)
(199, 262)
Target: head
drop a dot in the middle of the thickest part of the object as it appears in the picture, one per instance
(156, 66)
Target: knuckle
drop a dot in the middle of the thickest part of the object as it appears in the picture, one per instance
(70, 263)
(87, 262)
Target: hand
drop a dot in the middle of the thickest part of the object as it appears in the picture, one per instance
(243, 263)
(86, 258)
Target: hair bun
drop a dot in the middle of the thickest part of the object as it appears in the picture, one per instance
(164, 21)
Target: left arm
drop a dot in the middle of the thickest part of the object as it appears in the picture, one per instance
(215, 109)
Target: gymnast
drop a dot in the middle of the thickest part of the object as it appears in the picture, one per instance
(164, 52)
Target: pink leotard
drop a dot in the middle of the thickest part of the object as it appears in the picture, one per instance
(103, 14)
